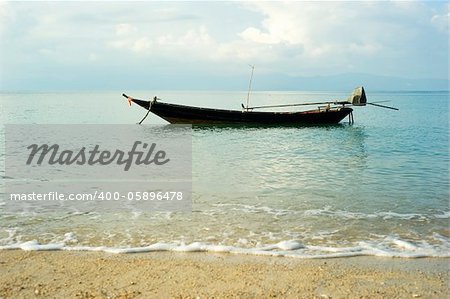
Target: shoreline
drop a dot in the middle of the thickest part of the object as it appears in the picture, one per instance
(78, 274)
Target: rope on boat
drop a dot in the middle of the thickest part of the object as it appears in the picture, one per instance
(148, 111)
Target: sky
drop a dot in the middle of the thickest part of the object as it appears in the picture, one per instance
(209, 45)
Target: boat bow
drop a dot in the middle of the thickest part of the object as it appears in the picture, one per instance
(144, 104)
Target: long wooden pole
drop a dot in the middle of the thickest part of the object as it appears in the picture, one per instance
(250, 86)
(382, 106)
(300, 104)
(318, 103)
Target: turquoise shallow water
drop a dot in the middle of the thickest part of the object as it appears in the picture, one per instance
(378, 187)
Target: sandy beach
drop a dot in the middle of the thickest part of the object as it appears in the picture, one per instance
(65, 274)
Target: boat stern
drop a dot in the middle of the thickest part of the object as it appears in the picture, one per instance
(358, 97)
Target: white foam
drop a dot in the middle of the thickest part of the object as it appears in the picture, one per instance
(243, 241)
(10, 239)
(407, 216)
(361, 216)
(328, 211)
(256, 209)
(70, 238)
(404, 244)
(445, 215)
(220, 248)
(35, 246)
(193, 247)
(153, 247)
(86, 248)
(289, 245)
(390, 246)
(445, 241)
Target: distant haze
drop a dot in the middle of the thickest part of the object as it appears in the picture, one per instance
(383, 45)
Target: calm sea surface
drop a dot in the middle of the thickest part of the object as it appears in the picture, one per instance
(378, 187)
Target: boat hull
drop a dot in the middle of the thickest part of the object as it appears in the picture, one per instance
(180, 114)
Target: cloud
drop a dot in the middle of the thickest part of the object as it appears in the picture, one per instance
(441, 20)
(141, 44)
(288, 37)
(194, 42)
(320, 37)
(337, 36)
(125, 29)
(253, 34)
(7, 16)
(322, 29)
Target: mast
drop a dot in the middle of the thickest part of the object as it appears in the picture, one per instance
(250, 85)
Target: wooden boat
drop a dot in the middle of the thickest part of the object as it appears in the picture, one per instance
(328, 113)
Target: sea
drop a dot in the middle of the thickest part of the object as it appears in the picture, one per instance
(378, 187)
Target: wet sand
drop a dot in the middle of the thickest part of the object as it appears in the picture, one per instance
(65, 274)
